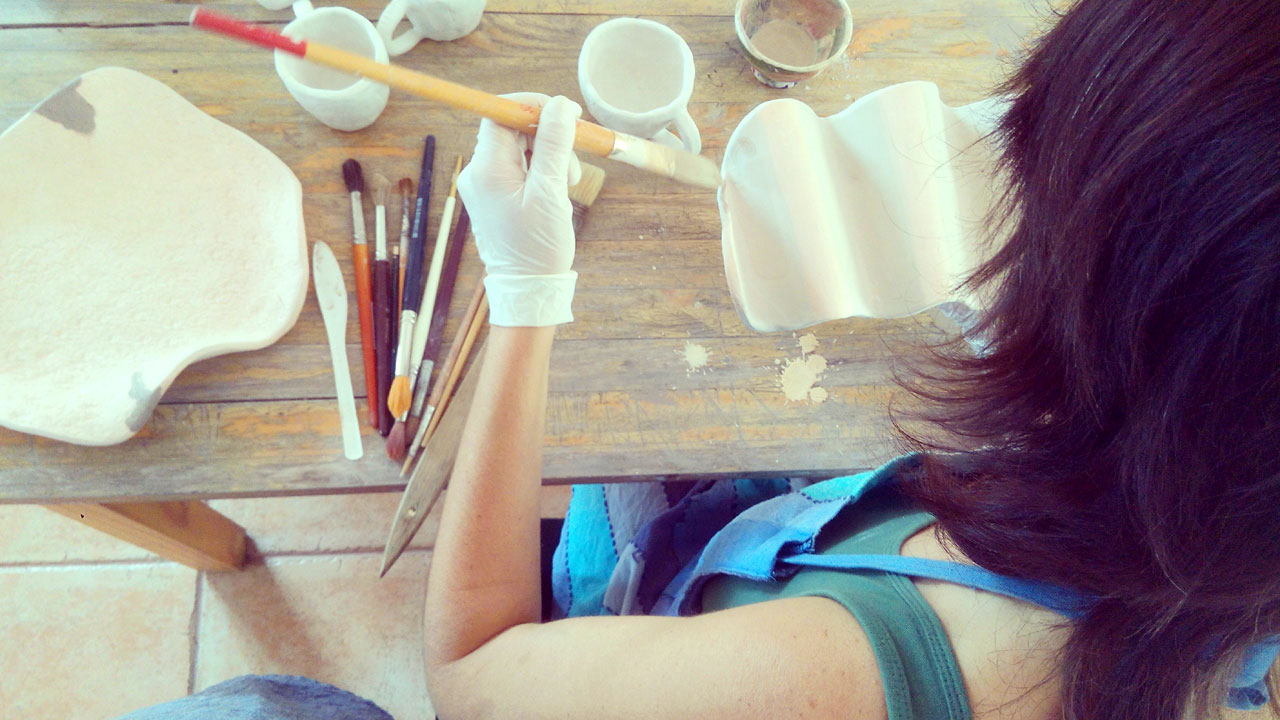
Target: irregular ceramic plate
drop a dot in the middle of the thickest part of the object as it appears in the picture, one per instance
(137, 236)
(877, 211)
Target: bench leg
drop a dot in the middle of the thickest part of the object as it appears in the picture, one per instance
(188, 531)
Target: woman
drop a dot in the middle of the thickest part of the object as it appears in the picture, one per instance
(1118, 444)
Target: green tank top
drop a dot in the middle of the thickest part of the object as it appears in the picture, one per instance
(917, 665)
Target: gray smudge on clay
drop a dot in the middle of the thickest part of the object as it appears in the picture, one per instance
(68, 108)
(147, 399)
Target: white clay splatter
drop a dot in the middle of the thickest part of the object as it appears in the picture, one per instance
(808, 343)
(695, 356)
(800, 376)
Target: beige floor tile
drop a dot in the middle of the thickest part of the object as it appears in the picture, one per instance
(93, 643)
(327, 618)
(341, 522)
(32, 534)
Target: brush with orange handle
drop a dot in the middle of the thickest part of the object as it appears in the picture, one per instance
(675, 163)
(354, 178)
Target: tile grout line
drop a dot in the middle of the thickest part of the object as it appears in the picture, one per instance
(193, 632)
(76, 564)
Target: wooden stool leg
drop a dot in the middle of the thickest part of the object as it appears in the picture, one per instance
(188, 531)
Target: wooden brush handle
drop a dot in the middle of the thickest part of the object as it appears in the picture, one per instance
(482, 314)
(589, 137)
(364, 299)
(382, 340)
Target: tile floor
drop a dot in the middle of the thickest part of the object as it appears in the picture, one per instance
(92, 627)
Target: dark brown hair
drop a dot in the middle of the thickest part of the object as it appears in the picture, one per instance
(1122, 434)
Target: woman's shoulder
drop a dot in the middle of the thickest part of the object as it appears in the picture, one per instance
(1007, 650)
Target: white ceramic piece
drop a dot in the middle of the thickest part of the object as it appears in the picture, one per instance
(636, 76)
(440, 20)
(877, 211)
(138, 235)
(340, 100)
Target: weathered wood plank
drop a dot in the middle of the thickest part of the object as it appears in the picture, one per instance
(96, 12)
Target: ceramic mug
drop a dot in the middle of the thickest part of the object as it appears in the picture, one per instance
(340, 100)
(440, 20)
(636, 76)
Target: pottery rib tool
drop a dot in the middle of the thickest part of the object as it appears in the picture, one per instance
(412, 293)
(382, 302)
(354, 178)
(440, 399)
(331, 293)
(674, 163)
(423, 332)
(429, 476)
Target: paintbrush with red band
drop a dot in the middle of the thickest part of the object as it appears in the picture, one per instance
(647, 155)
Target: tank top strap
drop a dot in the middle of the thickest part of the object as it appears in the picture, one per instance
(1063, 601)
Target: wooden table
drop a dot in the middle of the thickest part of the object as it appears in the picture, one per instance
(626, 403)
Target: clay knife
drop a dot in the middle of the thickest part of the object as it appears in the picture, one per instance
(331, 292)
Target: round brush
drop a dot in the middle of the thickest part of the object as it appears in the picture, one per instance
(354, 178)
(382, 302)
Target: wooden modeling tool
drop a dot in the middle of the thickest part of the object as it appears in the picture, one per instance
(382, 302)
(331, 293)
(431, 416)
(429, 476)
(674, 163)
(354, 178)
(422, 332)
(417, 426)
(584, 193)
(412, 294)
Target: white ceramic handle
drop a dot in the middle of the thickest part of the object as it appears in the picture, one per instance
(688, 132)
(302, 7)
(387, 22)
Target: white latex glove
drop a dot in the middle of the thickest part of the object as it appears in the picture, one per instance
(521, 215)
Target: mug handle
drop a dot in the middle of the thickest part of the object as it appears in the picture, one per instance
(302, 7)
(387, 22)
(688, 131)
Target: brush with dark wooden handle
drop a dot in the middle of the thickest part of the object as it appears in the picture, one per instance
(382, 303)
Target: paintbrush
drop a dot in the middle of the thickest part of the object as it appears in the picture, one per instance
(584, 193)
(354, 179)
(457, 352)
(406, 220)
(674, 163)
(412, 291)
(422, 332)
(382, 302)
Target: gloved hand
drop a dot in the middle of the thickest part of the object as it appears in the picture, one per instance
(521, 215)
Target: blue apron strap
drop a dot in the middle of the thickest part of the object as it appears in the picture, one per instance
(1053, 597)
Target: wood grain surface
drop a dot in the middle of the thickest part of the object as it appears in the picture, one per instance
(626, 404)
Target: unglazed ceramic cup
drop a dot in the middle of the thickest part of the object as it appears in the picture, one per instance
(787, 41)
(636, 76)
(340, 100)
(440, 20)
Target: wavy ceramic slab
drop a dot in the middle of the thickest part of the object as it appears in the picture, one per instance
(137, 236)
(877, 211)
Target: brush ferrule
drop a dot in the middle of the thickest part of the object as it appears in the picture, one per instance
(407, 319)
(357, 219)
(380, 232)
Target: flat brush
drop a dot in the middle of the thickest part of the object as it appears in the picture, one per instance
(382, 302)
(354, 178)
(584, 193)
(674, 163)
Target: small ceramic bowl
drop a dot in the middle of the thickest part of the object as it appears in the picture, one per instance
(787, 41)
